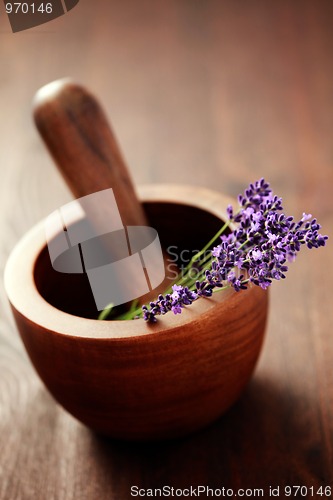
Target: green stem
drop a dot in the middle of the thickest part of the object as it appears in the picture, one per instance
(191, 281)
(106, 312)
(131, 313)
(197, 256)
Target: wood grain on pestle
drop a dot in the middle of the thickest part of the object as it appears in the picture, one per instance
(79, 137)
(76, 131)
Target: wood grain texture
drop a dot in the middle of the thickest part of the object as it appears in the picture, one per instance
(77, 133)
(128, 379)
(214, 94)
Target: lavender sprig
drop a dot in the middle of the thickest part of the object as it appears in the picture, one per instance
(257, 251)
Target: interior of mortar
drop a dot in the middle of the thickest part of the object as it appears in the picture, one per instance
(181, 227)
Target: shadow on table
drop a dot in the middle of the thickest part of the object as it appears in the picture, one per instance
(257, 443)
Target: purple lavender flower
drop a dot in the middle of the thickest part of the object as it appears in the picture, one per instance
(238, 283)
(216, 251)
(180, 297)
(176, 309)
(262, 242)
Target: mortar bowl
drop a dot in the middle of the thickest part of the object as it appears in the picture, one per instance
(129, 379)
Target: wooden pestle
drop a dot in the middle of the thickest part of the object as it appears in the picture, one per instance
(78, 136)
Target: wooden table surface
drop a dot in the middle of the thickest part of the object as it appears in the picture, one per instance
(211, 93)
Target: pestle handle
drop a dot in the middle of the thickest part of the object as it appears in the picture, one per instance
(79, 137)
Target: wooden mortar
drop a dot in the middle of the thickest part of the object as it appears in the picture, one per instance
(129, 379)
